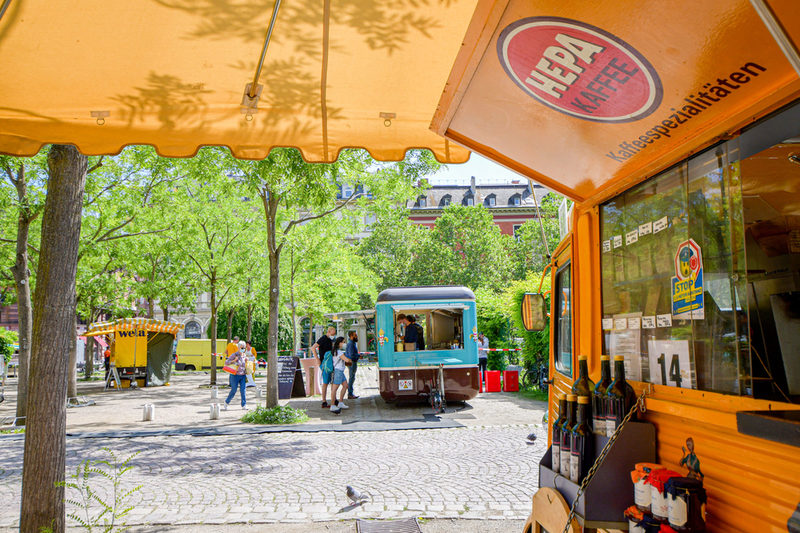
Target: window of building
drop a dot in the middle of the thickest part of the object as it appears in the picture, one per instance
(491, 200)
(469, 199)
(347, 191)
(515, 200)
(422, 201)
(192, 330)
(517, 228)
(563, 331)
(445, 201)
(369, 219)
(442, 327)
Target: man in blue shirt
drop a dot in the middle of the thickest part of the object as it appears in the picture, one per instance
(351, 352)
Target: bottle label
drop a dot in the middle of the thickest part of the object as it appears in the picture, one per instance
(599, 425)
(574, 467)
(565, 461)
(556, 459)
(614, 415)
(678, 512)
(577, 454)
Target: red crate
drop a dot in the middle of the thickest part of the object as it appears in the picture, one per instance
(492, 381)
(511, 380)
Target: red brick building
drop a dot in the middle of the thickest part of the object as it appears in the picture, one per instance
(511, 205)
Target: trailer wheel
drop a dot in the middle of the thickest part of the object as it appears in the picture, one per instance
(190, 368)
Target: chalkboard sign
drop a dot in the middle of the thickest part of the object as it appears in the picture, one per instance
(290, 377)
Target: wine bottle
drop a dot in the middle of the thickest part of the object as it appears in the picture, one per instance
(581, 440)
(619, 398)
(556, 440)
(564, 442)
(599, 398)
(583, 386)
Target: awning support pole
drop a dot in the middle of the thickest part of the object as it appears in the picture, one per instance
(776, 30)
(275, 8)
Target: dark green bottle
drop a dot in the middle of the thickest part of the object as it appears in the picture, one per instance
(564, 440)
(619, 398)
(583, 386)
(556, 440)
(599, 398)
(581, 441)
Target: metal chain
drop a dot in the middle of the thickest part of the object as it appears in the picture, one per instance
(638, 404)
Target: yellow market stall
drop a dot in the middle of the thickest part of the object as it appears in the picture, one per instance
(141, 348)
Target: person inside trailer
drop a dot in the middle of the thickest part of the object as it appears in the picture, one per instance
(409, 333)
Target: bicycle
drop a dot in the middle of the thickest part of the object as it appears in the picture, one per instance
(536, 375)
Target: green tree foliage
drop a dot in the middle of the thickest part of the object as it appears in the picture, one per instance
(392, 248)
(7, 340)
(528, 252)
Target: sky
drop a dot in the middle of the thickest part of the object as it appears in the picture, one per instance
(484, 170)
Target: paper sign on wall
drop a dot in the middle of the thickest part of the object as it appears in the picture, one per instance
(670, 363)
(646, 228)
(631, 237)
(664, 321)
(648, 322)
(607, 246)
(660, 224)
(608, 323)
(617, 241)
(620, 323)
(634, 323)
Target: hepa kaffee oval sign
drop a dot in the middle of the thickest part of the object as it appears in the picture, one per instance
(578, 69)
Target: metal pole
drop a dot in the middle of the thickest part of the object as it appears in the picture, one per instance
(275, 8)
(776, 30)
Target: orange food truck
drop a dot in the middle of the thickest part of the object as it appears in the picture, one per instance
(675, 129)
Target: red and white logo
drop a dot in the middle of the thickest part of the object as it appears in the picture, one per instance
(579, 70)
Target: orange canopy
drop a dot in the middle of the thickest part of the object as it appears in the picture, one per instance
(588, 98)
(101, 74)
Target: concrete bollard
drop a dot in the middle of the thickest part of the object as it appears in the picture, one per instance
(149, 412)
(214, 411)
(259, 393)
(214, 392)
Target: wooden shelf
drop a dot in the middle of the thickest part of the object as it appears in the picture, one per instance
(610, 491)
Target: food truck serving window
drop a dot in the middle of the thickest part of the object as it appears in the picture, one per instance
(441, 328)
(674, 277)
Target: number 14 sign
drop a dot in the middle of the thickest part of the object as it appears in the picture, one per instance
(670, 364)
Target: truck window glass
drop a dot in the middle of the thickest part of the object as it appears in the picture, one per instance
(563, 331)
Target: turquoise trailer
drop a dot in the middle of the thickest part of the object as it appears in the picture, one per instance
(447, 366)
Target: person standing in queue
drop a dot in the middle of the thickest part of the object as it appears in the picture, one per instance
(323, 345)
(340, 361)
(483, 355)
(410, 335)
(351, 352)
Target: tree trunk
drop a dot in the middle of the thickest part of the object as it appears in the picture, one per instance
(72, 365)
(53, 327)
(22, 276)
(88, 356)
(166, 313)
(249, 322)
(295, 343)
(151, 307)
(272, 337)
(230, 325)
(310, 333)
(213, 330)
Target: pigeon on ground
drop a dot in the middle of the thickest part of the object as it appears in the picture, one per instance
(532, 438)
(355, 496)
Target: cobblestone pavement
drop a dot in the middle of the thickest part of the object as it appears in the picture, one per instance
(476, 472)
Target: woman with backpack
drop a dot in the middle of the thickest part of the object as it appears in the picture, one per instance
(338, 362)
